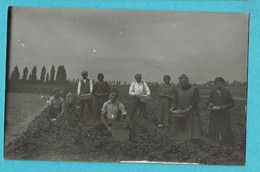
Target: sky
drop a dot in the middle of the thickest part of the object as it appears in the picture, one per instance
(120, 43)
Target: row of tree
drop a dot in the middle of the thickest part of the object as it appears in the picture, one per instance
(235, 83)
(45, 77)
(48, 77)
(61, 77)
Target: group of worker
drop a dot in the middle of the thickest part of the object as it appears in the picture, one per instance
(104, 104)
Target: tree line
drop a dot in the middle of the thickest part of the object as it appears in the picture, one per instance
(48, 77)
(61, 77)
(45, 77)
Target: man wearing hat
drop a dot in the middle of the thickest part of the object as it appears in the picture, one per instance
(187, 127)
(56, 105)
(85, 87)
(139, 89)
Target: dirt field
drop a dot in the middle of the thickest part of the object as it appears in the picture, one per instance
(21, 109)
(73, 138)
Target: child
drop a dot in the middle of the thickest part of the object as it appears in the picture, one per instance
(113, 112)
(71, 100)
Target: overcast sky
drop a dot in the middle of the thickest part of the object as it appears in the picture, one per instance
(120, 43)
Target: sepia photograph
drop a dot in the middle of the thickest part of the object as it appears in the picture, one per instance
(118, 85)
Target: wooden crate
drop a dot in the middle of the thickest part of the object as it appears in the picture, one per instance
(85, 97)
(120, 135)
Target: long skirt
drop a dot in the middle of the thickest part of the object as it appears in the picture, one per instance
(188, 127)
(164, 110)
(220, 128)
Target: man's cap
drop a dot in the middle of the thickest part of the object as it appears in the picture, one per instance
(138, 75)
(54, 90)
(84, 72)
(183, 76)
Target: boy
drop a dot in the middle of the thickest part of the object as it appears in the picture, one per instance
(113, 113)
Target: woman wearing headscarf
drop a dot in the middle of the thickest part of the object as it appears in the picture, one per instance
(167, 94)
(220, 101)
(188, 127)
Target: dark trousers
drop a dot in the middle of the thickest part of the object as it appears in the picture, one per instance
(98, 103)
(83, 104)
(138, 104)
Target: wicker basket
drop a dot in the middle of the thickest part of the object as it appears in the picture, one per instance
(176, 114)
(85, 97)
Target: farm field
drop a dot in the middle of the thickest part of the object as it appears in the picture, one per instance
(21, 109)
(73, 138)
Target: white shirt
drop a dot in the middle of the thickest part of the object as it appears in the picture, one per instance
(112, 109)
(90, 86)
(138, 89)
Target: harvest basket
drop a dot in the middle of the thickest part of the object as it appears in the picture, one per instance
(144, 98)
(176, 114)
(85, 97)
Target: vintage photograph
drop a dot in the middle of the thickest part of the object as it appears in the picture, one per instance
(117, 85)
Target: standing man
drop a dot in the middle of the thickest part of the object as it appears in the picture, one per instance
(84, 91)
(140, 93)
(188, 127)
(100, 92)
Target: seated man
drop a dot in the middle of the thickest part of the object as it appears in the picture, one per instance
(56, 105)
(113, 113)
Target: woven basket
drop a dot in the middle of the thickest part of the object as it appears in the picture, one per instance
(176, 114)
